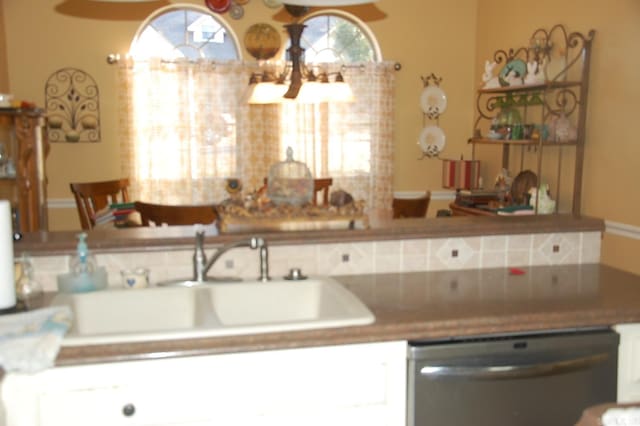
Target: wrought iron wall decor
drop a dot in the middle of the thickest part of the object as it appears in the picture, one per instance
(73, 107)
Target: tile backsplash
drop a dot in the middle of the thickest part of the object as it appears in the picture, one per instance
(354, 257)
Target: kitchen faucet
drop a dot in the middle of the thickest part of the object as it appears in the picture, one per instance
(201, 266)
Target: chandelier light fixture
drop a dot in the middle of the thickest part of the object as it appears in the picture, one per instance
(301, 83)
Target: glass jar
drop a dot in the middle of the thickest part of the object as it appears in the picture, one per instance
(27, 288)
(509, 123)
(290, 182)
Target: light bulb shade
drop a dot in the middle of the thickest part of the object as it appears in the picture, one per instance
(266, 93)
(461, 174)
(340, 92)
(326, 3)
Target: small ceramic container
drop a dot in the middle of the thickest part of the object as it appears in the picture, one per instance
(135, 278)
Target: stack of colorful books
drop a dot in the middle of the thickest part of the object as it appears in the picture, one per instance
(115, 212)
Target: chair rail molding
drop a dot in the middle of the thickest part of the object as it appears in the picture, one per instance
(622, 229)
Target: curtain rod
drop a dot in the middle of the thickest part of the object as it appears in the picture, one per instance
(114, 58)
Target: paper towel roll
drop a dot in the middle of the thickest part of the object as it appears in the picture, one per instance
(7, 278)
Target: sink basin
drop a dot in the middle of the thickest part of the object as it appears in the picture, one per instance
(220, 309)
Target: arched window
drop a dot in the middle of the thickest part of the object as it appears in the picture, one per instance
(188, 32)
(338, 38)
(183, 82)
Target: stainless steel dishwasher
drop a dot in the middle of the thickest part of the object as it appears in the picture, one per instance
(511, 380)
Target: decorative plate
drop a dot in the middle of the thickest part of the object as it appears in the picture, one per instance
(431, 141)
(433, 101)
(218, 6)
(273, 3)
(262, 41)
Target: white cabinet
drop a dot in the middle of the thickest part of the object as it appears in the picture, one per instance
(629, 362)
(337, 385)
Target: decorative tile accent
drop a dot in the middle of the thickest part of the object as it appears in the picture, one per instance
(413, 255)
(360, 258)
(454, 253)
(556, 249)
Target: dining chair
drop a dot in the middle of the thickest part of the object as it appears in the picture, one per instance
(411, 204)
(92, 197)
(320, 186)
(159, 214)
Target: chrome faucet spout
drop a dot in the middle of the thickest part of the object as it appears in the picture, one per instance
(201, 266)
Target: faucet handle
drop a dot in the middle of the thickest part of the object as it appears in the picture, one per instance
(257, 242)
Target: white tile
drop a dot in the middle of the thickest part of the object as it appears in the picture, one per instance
(494, 243)
(388, 256)
(590, 247)
(519, 242)
(519, 258)
(493, 259)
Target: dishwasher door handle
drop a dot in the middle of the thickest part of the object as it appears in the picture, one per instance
(497, 372)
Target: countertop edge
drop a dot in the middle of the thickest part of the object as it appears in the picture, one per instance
(144, 239)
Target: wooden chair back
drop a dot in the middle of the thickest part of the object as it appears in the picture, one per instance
(320, 186)
(92, 197)
(175, 214)
(413, 205)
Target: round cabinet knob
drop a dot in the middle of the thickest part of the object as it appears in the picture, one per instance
(129, 410)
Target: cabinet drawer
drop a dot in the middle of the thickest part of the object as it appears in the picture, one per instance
(122, 406)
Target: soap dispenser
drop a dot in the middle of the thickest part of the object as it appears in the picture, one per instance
(84, 274)
(83, 262)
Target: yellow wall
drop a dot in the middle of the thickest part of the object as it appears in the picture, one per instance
(80, 33)
(4, 78)
(611, 172)
(449, 38)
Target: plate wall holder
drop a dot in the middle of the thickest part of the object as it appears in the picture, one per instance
(430, 116)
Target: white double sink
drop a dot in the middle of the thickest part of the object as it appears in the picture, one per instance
(210, 310)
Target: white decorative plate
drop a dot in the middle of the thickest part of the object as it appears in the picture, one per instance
(431, 141)
(433, 101)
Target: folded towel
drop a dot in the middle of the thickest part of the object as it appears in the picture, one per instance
(621, 417)
(30, 341)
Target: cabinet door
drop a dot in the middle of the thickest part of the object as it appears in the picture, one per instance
(629, 363)
(337, 385)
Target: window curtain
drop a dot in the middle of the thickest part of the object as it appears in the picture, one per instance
(178, 124)
(350, 142)
(185, 128)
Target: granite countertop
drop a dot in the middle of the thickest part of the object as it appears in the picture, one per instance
(431, 305)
